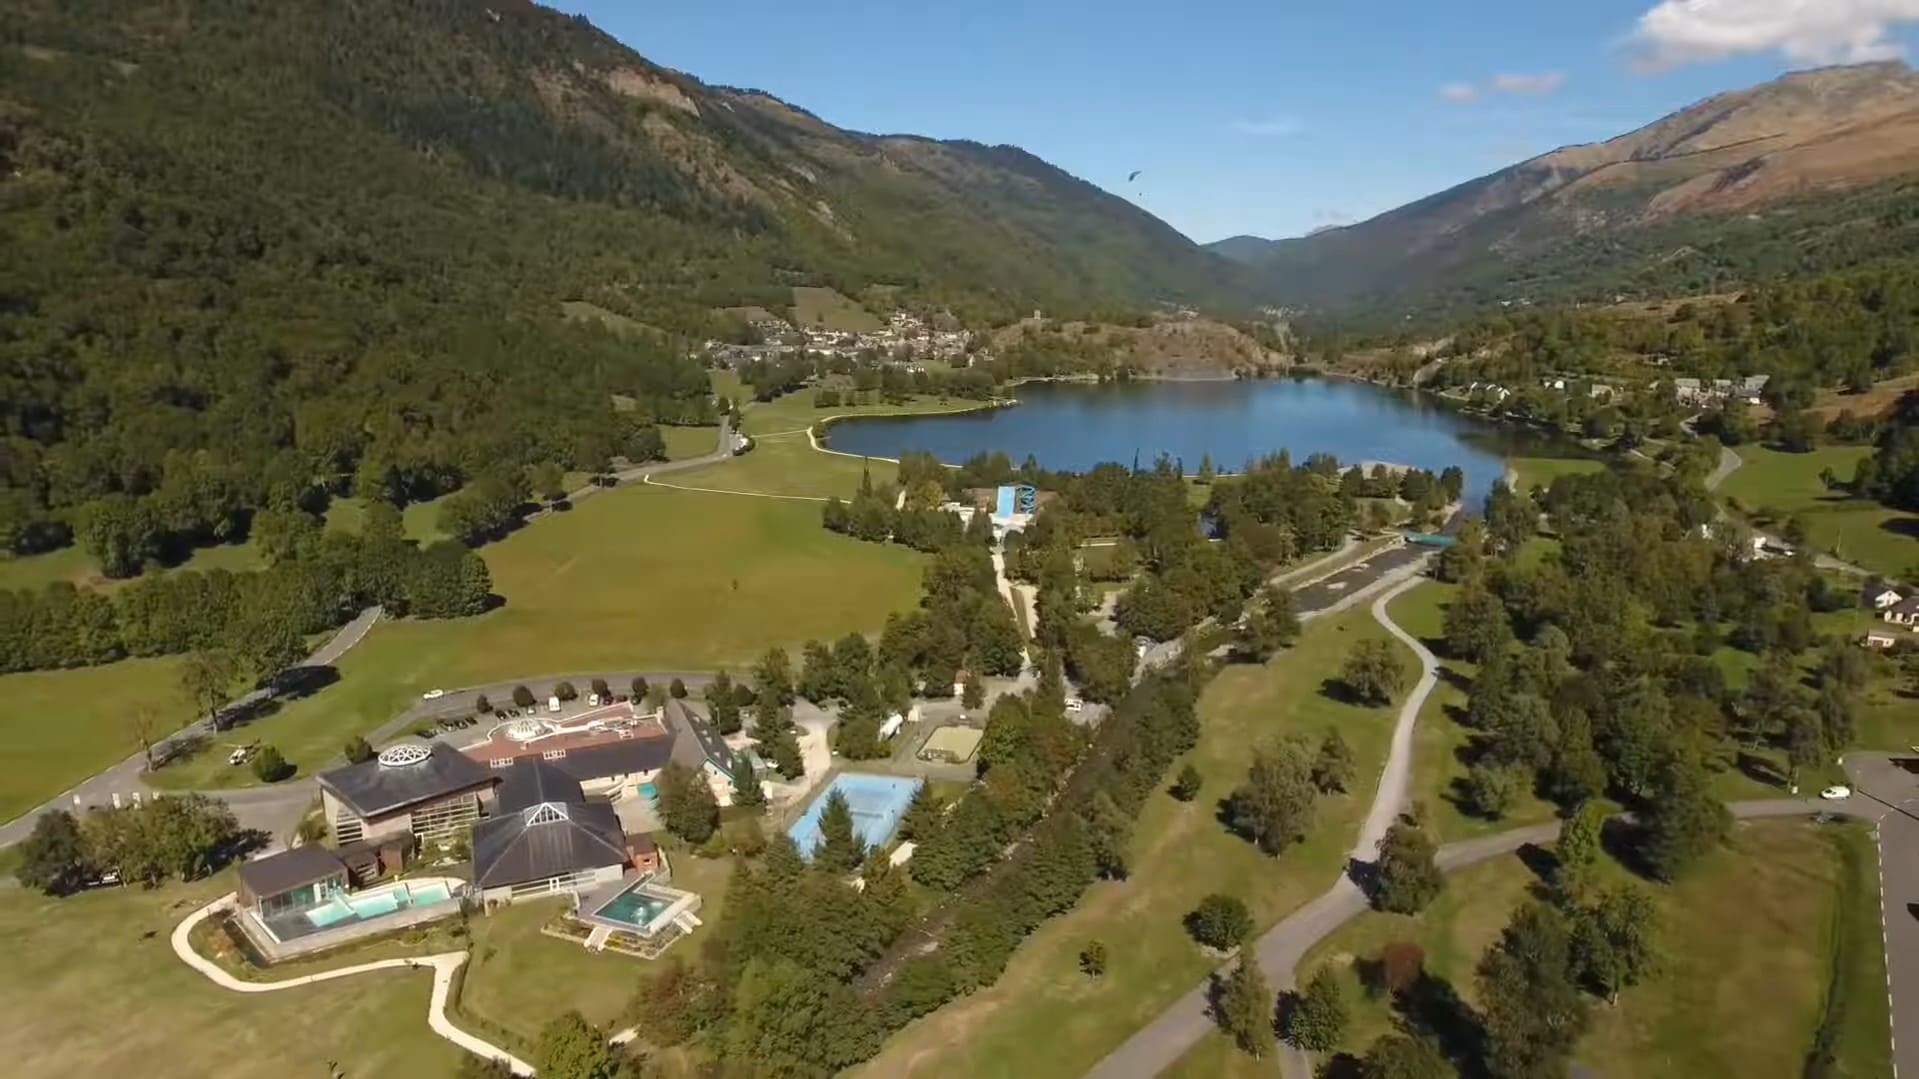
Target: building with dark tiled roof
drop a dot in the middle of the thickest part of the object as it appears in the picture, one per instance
(430, 792)
(545, 837)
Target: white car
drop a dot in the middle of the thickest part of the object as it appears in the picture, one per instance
(239, 755)
(1834, 794)
(433, 694)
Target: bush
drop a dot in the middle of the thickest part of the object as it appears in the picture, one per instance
(482, 705)
(357, 751)
(1092, 958)
(1220, 922)
(601, 690)
(1186, 788)
(270, 766)
(522, 697)
(639, 688)
(677, 689)
(566, 692)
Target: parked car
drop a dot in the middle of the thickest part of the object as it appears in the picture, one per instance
(239, 755)
(433, 694)
(1835, 793)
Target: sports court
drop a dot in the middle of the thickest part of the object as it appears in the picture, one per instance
(877, 803)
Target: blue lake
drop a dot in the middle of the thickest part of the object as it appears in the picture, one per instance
(1070, 425)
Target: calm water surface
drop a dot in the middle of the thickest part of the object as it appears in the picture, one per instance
(1076, 426)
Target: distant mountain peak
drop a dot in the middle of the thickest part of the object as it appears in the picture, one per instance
(1806, 133)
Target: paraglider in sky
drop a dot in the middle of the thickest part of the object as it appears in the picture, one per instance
(1134, 175)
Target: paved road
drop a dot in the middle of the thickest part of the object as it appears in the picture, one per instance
(1887, 795)
(275, 809)
(1158, 1045)
(267, 808)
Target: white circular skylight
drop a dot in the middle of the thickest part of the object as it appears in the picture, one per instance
(403, 755)
(526, 730)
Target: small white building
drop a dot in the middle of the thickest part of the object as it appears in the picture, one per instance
(1880, 597)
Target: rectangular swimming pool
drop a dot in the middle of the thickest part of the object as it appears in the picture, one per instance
(364, 906)
(877, 803)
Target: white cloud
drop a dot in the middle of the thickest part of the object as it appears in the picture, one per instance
(1803, 31)
(1273, 128)
(1543, 83)
(1462, 93)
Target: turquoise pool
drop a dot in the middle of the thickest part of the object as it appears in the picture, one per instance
(633, 908)
(366, 905)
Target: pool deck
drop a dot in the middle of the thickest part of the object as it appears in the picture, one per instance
(288, 936)
(677, 903)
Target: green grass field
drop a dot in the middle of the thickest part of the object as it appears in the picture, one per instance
(91, 987)
(1751, 942)
(1439, 738)
(786, 465)
(60, 727)
(638, 577)
(518, 979)
(795, 412)
(1773, 485)
(73, 565)
(1043, 1017)
(826, 309)
(684, 442)
(1530, 472)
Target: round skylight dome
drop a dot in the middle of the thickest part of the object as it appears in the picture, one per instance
(404, 755)
(525, 730)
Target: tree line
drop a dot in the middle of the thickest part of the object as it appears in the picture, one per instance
(317, 581)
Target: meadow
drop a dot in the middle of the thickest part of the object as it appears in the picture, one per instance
(1045, 1017)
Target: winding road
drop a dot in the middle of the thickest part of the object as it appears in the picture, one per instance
(275, 809)
(1886, 794)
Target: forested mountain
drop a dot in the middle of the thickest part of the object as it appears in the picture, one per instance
(259, 250)
(1814, 170)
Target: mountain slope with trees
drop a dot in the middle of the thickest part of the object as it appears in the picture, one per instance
(264, 253)
(1814, 170)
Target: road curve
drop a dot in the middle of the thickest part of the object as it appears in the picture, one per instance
(1158, 1045)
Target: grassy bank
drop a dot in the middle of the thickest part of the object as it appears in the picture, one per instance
(635, 577)
(1751, 942)
(1774, 486)
(91, 987)
(59, 727)
(1044, 1017)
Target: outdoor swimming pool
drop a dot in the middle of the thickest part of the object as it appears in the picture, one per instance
(634, 907)
(878, 802)
(372, 904)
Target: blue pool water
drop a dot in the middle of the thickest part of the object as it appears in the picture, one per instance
(878, 802)
(634, 908)
(367, 905)
(650, 791)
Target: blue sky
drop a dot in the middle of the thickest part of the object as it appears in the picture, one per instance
(1269, 117)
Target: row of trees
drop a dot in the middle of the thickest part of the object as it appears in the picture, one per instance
(184, 837)
(316, 582)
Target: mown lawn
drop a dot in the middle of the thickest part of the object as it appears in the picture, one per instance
(786, 465)
(91, 987)
(1750, 943)
(1044, 1017)
(1773, 486)
(1441, 741)
(1530, 472)
(684, 442)
(518, 978)
(795, 412)
(59, 727)
(75, 566)
(641, 577)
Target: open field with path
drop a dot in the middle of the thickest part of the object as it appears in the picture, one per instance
(1751, 942)
(1044, 1017)
(638, 577)
(1773, 485)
